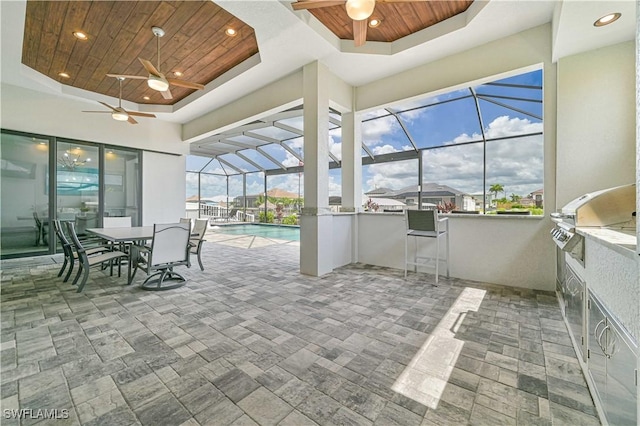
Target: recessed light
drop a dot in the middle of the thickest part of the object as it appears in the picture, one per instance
(177, 73)
(607, 19)
(64, 75)
(146, 98)
(231, 32)
(374, 22)
(80, 35)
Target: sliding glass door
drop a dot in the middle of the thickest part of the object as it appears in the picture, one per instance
(122, 184)
(24, 218)
(47, 177)
(77, 184)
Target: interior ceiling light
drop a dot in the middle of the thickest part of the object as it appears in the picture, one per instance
(359, 10)
(375, 22)
(146, 98)
(64, 75)
(71, 160)
(231, 32)
(80, 35)
(177, 73)
(607, 19)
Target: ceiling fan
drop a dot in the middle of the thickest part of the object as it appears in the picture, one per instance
(121, 114)
(358, 10)
(157, 80)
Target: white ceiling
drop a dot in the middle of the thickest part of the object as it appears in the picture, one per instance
(288, 40)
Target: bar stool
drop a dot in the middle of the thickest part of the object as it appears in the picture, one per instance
(425, 224)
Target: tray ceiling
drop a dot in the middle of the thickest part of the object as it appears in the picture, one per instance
(195, 43)
(397, 19)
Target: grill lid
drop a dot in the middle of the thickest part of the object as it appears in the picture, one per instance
(612, 206)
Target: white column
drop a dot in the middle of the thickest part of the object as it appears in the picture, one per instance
(316, 221)
(352, 174)
(351, 162)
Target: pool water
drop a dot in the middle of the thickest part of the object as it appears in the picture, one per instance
(289, 233)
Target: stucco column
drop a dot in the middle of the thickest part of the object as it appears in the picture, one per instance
(316, 222)
(352, 173)
(351, 162)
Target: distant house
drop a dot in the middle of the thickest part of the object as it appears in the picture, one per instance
(432, 194)
(252, 199)
(388, 204)
(535, 199)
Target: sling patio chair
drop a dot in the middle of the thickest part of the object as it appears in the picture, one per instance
(169, 248)
(70, 254)
(86, 261)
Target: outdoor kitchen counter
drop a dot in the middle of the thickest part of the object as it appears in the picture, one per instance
(623, 242)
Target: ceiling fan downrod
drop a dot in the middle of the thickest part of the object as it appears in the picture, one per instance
(158, 32)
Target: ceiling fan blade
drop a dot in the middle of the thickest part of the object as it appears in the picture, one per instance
(103, 112)
(187, 84)
(141, 114)
(108, 106)
(131, 120)
(149, 67)
(167, 94)
(315, 4)
(359, 32)
(136, 77)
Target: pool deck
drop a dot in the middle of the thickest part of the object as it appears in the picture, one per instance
(245, 241)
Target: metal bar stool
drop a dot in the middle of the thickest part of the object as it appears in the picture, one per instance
(426, 224)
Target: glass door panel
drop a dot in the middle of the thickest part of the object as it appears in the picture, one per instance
(122, 184)
(24, 218)
(77, 184)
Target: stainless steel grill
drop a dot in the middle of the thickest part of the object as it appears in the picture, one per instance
(612, 208)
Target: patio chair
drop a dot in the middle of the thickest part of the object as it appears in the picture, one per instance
(41, 230)
(169, 248)
(186, 220)
(425, 224)
(70, 255)
(197, 238)
(86, 261)
(118, 222)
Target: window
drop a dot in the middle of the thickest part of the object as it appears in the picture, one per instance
(480, 148)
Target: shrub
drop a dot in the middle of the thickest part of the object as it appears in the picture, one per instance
(290, 220)
(268, 219)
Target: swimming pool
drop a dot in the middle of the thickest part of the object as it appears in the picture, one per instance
(278, 232)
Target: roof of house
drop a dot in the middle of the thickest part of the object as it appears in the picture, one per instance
(431, 188)
(387, 202)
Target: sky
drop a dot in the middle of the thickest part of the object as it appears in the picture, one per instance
(443, 129)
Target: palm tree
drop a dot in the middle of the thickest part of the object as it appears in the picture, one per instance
(495, 188)
(515, 198)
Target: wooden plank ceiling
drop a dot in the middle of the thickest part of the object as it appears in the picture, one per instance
(397, 19)
(119, 32)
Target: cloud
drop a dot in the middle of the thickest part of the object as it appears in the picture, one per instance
(384, 149)
(395, 175)
(377, 132)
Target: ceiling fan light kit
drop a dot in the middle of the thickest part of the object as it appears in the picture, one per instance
(120, 115)
(158, 83)
(359, 10)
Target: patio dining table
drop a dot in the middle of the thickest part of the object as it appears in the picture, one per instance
(124, 235)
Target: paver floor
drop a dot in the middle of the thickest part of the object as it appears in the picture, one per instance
(252, 341)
